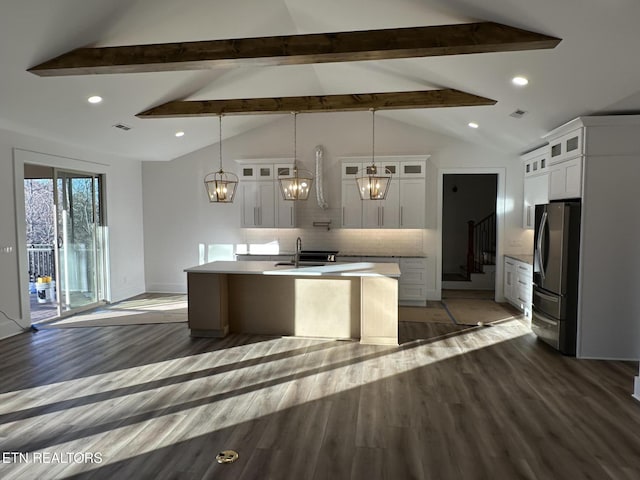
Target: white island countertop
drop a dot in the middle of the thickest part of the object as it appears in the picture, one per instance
(337, 269)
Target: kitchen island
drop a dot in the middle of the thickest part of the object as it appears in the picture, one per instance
(337, 300)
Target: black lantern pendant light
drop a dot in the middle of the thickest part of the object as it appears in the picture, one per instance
(297, 185)
(221, 185)
(373, 182)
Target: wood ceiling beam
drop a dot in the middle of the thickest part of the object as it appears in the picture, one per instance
(323, 103)
(298, 49)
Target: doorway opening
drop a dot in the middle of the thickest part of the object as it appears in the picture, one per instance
(65, 233)
(469, 232)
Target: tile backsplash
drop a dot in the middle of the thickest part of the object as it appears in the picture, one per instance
(346, 241)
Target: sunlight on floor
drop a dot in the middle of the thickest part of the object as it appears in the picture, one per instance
(188, 385)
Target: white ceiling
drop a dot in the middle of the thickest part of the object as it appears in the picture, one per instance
(595, 69)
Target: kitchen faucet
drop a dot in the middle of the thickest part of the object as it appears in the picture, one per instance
(298, 250)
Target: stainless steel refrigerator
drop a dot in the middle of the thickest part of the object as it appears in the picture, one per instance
(555, 274)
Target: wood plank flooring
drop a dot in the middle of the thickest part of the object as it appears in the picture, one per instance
(451, 402)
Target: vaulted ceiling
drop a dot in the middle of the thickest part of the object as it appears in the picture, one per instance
(593, 70)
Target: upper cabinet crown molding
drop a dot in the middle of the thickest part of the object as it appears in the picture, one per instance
(382, 44)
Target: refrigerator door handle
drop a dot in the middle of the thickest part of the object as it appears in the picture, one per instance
(544, 296)
(541, 230)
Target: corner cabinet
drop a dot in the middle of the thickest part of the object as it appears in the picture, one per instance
(404, 206)
(262, 203)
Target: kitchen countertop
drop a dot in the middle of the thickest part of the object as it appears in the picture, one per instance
(337, 269)
(339, 254)
(381, 255)
(520, 257)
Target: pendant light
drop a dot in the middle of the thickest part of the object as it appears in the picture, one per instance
(297, 184)
(221, 185)
(373, 182)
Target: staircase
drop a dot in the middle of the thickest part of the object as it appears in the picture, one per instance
(479, 272)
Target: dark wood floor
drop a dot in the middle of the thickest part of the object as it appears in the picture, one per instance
(452, 402)
(42, 311)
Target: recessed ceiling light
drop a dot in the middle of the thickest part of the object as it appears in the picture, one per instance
(473, 125)
(94, 99)
(180, 134)
(520, 81)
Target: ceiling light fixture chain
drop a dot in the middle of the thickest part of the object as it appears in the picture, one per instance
(295, 142)
(373, 136)
(373, 185)
(220, 137)
(220, 185)
(296, 183)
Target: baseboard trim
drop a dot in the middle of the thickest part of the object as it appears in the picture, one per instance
(9, 329)
(166, 288)
(379, 340)
(213, 333)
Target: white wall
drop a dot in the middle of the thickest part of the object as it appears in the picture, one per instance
(609, 304)
(178, 217)
(124, 218)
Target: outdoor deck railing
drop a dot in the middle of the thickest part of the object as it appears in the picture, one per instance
(41, 261)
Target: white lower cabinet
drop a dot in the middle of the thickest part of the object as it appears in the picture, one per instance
(508, 278)
(412, 284)
(412, 287)
(518, 284)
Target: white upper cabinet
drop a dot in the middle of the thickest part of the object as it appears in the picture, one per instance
(567, 146)
(413, 169)
(384, 213)
(350, 170)
(351, 205)
(412, 203)
(285, 209)
(258, 208)
(256, 172)
(536, 162)
(262, 203)
(404, 205)
(536, 183)
(565, 179)
(566, 154)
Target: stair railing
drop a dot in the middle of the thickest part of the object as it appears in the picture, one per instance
(481, 244)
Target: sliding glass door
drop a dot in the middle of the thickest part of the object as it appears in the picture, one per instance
(79, 237)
